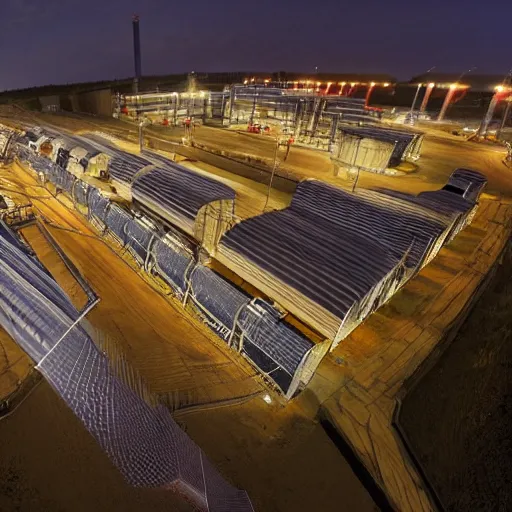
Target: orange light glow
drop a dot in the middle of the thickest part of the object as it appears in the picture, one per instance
(431, 85)
(372, 84)
(499, 88)
(385, 84)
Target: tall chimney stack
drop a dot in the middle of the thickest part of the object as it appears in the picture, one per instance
(136, 53)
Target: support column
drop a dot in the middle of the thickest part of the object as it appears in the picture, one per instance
(484, 126)
(447, 101)
(428, 92)
(368, 94)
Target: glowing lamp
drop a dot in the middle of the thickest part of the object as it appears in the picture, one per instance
(373, 84)
(431, 85)
(499, 88)
(453, 86)
(385, 84)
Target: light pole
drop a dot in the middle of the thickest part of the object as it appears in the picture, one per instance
(142, 125)
(415, 98)
(274, 168)
(251, 121)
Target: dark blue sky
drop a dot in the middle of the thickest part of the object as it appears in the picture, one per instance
(59, 41)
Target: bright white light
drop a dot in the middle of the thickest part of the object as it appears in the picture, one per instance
(431, 84)
(373, 84)
(385, 84)
(499, 88)
(267, 399)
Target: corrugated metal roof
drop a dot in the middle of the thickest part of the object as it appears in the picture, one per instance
(445, 201)
(126, 167)
(474, 182)
(331, 265)
(274, 337)
(28, 295)
(380, 218)
(177, 193)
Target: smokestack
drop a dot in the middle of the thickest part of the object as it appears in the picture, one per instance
(136, 53)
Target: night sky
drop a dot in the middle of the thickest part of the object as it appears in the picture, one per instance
(59, 41)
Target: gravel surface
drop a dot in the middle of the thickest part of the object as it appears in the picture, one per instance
(459, 417)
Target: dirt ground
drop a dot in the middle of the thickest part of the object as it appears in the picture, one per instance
(285, 461)
(15, 365)
(50, 463)
(458, 418)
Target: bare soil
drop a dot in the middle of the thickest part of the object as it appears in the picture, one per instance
(50, 463)
(458, 418)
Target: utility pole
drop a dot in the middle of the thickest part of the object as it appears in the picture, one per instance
(251, 121)
(415, 98)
